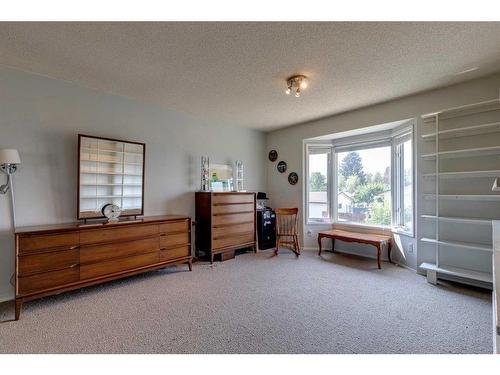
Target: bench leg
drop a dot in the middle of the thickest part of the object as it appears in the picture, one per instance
(389, 249)
(333, 245)
(378, 256)
(319, 243)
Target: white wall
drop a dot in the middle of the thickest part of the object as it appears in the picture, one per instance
(289, 144)
(42, 117)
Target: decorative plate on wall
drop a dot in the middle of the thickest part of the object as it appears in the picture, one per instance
(293, 178)
(281, 167)
(273, 155)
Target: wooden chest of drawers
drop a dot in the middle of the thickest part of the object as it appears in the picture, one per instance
(58, 258)
(224, 222)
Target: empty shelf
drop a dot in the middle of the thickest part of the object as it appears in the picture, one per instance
(467, 174)
(464, 245)
(465, 197)
(459, 272)
(463, 110)
(466, 131)
(465, 220)
(469, 152)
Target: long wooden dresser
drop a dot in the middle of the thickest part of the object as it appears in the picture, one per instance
(225, 222)
(57, 258)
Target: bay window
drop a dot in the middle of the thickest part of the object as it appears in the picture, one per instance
(362, 180)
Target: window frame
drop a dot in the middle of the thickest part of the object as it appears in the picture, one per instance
(399, 140)
(355, 146)
(329, 178)
(394, 138)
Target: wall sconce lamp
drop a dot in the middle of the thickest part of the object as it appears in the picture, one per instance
(9, 160)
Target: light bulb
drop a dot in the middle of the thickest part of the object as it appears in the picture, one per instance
(288, 91)
(303, 84)
(297, 94)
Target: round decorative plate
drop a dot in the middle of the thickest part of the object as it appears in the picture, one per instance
(293, 178)
(273, 155)
(281, 167)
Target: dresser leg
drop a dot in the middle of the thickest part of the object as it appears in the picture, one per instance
(190, 265)
(19, 305)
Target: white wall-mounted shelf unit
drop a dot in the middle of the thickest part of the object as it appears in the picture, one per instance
(466, 149)
(110, 171)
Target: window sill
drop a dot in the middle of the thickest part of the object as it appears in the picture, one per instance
(319, 223)
(347, 225)
(402, 232)
(367, 227)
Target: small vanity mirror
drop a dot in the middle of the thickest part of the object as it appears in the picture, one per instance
(221, 177)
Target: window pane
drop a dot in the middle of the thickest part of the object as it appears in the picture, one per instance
(364, 186)
(408, 186)
(318, 185)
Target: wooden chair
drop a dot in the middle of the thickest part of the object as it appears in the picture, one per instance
(286, 229)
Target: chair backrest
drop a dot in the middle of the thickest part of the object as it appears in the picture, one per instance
(286, 221)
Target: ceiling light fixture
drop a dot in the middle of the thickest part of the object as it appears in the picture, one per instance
(295, 84)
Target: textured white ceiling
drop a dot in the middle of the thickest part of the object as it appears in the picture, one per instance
(235, 72)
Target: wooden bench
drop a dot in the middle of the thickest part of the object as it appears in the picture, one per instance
(371, 239)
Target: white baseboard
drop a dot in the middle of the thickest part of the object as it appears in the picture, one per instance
(6, 297)
(385, 259)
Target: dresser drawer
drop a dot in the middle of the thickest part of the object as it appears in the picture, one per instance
(174, 253)
(117, 234)
(232, 241)
(42, 281)
(232, 230)
(233, 219)
(97, 253)
(225, 198)
(50, 261)
(232, 208)
(175, 227)
(110, 267)
(170, 240)
(35, 243)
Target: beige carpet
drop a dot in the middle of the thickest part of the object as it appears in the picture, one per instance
(258, 304)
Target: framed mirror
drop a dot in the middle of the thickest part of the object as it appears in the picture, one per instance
(221, 177)
(110, 171)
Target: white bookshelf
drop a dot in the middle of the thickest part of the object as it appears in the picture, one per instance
(461, 161)
(110, 171)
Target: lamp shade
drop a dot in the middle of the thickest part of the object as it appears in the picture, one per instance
(9, 156)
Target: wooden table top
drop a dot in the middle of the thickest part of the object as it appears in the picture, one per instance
(355, 235)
